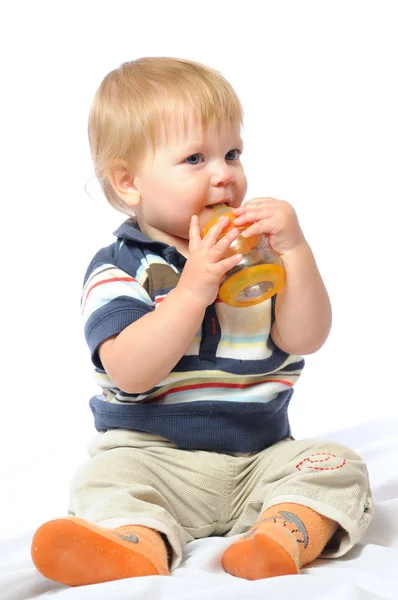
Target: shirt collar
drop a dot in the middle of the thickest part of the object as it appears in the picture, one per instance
(129, 230)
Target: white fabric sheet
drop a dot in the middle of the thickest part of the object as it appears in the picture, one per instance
(368, 572)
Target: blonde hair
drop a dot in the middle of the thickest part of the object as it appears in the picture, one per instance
(134, 101)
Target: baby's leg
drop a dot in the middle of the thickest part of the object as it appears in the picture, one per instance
(307, 492)
(121, 520)
(135, 497)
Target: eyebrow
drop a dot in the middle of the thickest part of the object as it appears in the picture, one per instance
(193, 147)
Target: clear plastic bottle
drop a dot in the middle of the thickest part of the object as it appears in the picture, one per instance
(258, 276)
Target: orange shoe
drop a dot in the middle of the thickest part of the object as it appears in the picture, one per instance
(266, 550)
(74, 552)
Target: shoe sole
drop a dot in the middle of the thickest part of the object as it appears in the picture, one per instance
(74, 552)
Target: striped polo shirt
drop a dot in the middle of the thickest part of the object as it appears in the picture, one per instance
(229, 392)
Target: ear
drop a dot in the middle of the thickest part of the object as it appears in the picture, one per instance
(123, 182)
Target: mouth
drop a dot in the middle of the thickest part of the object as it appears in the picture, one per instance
(210, 211)
(225, 201)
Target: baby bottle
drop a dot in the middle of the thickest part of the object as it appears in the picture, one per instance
(258, 276)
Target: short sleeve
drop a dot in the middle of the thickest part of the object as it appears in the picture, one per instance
(111, 300)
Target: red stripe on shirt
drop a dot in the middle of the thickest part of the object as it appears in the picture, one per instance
(158, 300)
(197, 386)
(111, 280)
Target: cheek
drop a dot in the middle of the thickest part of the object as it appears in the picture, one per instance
(191, 193)
(243, 184)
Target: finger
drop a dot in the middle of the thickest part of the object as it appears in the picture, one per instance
(194, 233)
(253, 216)
(227, 263)
(224, 243)
(214, 232)
(254, 202)
(258, 229)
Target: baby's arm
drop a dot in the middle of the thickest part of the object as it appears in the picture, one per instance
(147, 350)
(302, 312)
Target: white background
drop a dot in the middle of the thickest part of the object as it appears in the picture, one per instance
(318, 81)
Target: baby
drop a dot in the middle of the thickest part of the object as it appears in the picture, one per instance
(193, 434)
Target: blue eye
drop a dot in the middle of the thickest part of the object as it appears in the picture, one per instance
(233, 154)
(194, 159)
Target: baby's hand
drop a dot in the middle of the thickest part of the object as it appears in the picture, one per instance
(206, 265)
(276, 219)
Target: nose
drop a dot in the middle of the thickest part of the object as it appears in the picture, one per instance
(222, 175)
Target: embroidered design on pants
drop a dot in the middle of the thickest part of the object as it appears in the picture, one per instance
(326, 463)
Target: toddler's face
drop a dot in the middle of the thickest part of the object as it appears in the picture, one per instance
(189, 172)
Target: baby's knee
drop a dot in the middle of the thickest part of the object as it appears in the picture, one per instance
(329, 457)
(336, 450)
